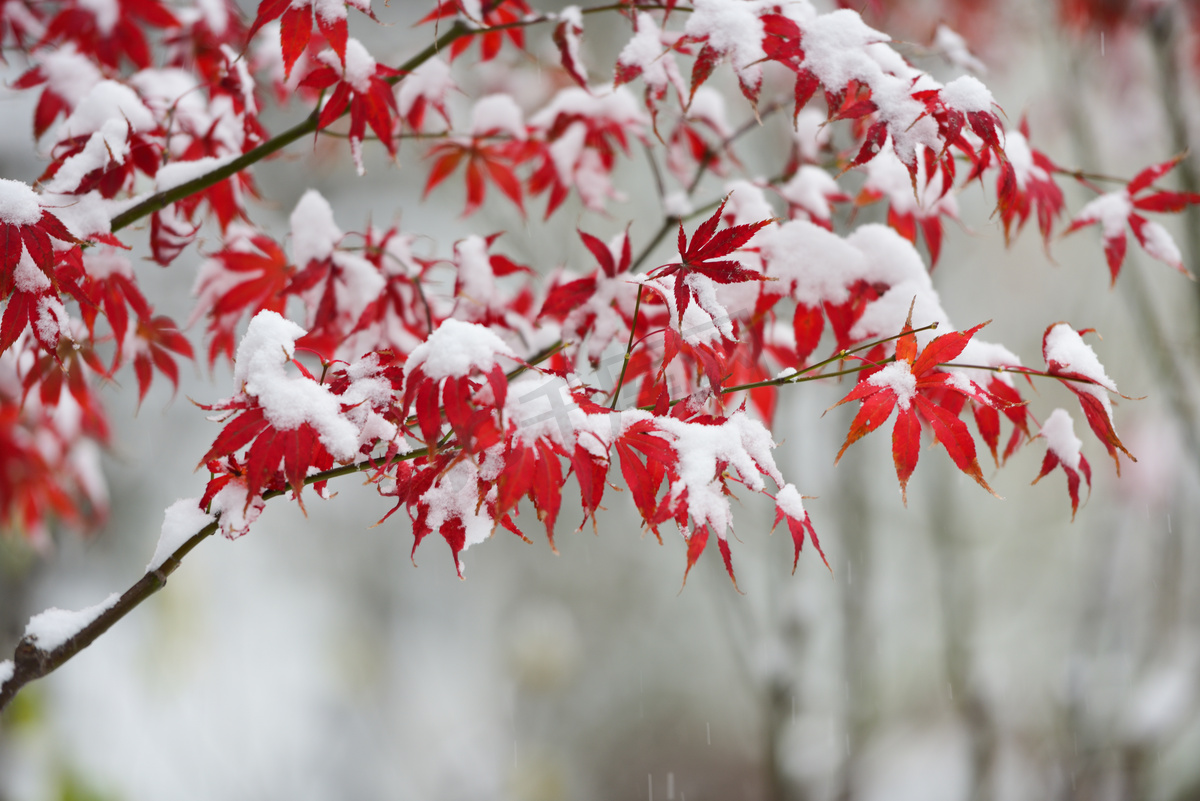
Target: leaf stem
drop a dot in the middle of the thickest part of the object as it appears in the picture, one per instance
(637, 305)
(1021, 371)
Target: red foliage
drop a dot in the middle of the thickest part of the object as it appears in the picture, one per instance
(457, 384)
(917, 385)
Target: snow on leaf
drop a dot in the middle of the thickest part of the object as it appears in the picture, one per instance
(363, 89)
(290, 424)
(1112, 210)
(728, 28)
(424, 88)
(456, 349)
(1079, 370)
(26, 227)
(789, 506)
(181, 521)
(1063, 450)
(1026, 185)
(566, 37)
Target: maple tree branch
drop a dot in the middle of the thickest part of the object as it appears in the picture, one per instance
(525, 23)
(32, 663)
(537, 358)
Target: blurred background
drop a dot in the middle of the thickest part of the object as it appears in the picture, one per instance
(961, 648)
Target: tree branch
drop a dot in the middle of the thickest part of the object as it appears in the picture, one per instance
(31, 662)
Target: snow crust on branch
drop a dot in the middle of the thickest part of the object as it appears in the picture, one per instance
(50, 629)
(178, 173)
(181, 521)
(236, 509)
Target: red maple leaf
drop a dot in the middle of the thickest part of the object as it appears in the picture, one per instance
(564, 298)
(1113, 209)
(363, 88)
(533, 470)
(158, 338)
(987, 419)
(1075, 365)
(485, 159)
(911, 383)
(1032, 189)
(789, 507)
(295, 27)
(26, 227)
(246, 277)
(566, 38)
(497, 13)
(1062, 450)
(144, 154)
(109, 33)
(703, 256)
(275, 459)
